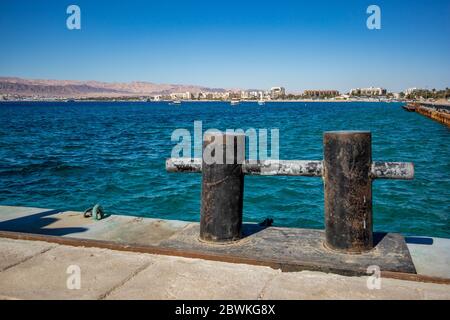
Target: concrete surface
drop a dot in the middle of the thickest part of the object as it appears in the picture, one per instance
(40, 272)
(124, 229)
(181, 278)
(431, 256)
(315, 285)
(44, 276)
(11, 254)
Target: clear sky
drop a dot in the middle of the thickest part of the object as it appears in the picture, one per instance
(245, 44)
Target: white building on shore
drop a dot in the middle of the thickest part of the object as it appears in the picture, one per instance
(187, 95)
(277, 92)
(372, 91)
(411, 91)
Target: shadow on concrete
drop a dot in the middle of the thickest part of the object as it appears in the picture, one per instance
(378, 237)
(35, 223)
(419, 240)
(249, 229)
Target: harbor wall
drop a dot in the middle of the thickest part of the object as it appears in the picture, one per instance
(436, 112)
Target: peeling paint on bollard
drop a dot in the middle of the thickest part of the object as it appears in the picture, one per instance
(284, 168)
(305, 168)
(392, 170)
(184, 165)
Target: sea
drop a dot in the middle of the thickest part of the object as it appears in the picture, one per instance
(72, 155)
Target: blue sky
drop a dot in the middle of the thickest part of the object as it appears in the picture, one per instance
(245, 44)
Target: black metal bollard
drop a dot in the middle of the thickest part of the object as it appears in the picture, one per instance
(348, 191)
(222, 187)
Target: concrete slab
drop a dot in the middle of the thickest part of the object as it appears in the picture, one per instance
(108, 274)
(431, 256)
(132, 230)
(12, 212)
(316, 285)
(122, 229)
(42, 221)
(45, 276)
(14, 252)
(194, 279)
(8, 212)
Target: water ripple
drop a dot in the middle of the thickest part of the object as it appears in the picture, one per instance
(72, 155)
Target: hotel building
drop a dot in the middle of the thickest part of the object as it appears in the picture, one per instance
(321, 93)
(368, 92)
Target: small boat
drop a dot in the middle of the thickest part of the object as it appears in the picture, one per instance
(409, 108)
(235, 102)
(261, 102)
(175, 102)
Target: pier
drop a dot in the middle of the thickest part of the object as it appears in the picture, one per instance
(133, 257)
(439, 112)
(125, 257)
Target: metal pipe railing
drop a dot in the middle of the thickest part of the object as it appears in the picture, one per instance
(300, 168)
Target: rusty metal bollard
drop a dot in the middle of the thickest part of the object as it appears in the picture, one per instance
(348, 190)
(222, 187)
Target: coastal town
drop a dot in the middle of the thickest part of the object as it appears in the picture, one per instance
(277, 93)
(434, 104)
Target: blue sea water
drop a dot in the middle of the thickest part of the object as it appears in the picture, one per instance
(73, 155)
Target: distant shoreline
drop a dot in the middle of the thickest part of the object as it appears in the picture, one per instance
(205, 100)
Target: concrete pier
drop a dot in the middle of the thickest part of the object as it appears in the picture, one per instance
(435, 111)
(114, 263)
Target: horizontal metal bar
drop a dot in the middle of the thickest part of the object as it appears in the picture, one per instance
(263, 168)
(186, 165)
(307, 168)
(392, 170)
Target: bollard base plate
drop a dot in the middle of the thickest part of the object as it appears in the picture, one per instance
(292, 249)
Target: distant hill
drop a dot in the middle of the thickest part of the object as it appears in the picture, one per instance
(76, 89)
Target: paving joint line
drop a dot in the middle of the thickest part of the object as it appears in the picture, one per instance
(29, 258)
(127, 279)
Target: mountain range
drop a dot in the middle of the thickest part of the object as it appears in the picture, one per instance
(77, 89)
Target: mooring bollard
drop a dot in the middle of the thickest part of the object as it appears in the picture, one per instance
(347, 170)
(222, 187)
(348, 190)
